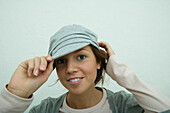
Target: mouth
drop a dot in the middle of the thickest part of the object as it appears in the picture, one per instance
(76, 80)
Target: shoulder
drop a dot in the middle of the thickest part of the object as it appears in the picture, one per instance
(119, 94)
(48, 105)
(123, 101)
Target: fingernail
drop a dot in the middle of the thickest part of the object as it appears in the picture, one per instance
(49, 58)
(42, 67)
(36, 72)
(29, 73)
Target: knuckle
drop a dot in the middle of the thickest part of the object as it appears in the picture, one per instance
(37, 60)
(31, 64)
(36, 57)
(31, 67)
(102, 41)
(30, 61)
(43, 60)
(23, 62)
(44, 63)
(43, 56)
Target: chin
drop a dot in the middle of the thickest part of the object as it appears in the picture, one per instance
(77, 91)
(80, 90)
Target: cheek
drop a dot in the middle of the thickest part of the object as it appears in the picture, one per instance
(60, 72)
(90, 70)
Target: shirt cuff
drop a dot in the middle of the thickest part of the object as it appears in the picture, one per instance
(12, 103)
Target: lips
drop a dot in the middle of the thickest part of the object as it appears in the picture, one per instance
(75, 80)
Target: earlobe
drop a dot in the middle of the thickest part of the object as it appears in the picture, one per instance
(98, 65)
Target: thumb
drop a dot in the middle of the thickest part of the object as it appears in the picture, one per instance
(50, 68)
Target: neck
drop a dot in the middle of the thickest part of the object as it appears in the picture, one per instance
(85, 100)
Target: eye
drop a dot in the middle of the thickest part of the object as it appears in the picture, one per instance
(81, 57)
(61, 61)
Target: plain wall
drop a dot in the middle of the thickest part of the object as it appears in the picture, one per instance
(138, 32)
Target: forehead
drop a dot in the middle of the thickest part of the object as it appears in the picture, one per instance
(86, 49)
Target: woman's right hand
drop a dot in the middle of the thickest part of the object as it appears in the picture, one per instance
(30, 75)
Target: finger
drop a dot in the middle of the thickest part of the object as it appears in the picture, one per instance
(43, 64)
(49, 69)
(30, 67)
(105, 55)
(24, 65)
(103, 45)
(102, 51)
(37, 61)
(107, 47)
(49, 58)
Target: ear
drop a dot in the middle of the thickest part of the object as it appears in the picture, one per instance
(98, 65)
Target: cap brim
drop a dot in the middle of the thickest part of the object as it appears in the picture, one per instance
(69, 49)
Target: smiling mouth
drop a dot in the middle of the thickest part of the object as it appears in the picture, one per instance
(75, 80)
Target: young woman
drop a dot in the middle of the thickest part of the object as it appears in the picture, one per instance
(80, 62)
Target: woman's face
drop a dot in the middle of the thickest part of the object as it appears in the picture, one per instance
(77, 71)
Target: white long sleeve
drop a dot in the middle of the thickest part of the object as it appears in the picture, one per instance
(148, 97)
(10, 103)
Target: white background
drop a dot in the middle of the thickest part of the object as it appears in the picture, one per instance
(138, 31)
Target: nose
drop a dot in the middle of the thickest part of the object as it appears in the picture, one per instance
(71, 67)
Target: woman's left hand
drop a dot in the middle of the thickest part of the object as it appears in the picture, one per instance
(107, 47)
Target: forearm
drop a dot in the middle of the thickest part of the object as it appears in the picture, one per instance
(148, 97)
(10, 103)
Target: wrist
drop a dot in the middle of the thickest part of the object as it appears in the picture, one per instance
(17, 92)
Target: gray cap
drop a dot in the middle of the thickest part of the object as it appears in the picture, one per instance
(69, 39)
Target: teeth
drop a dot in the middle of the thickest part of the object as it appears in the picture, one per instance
(74, 80)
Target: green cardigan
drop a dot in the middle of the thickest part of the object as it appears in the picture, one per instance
(120, 102)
